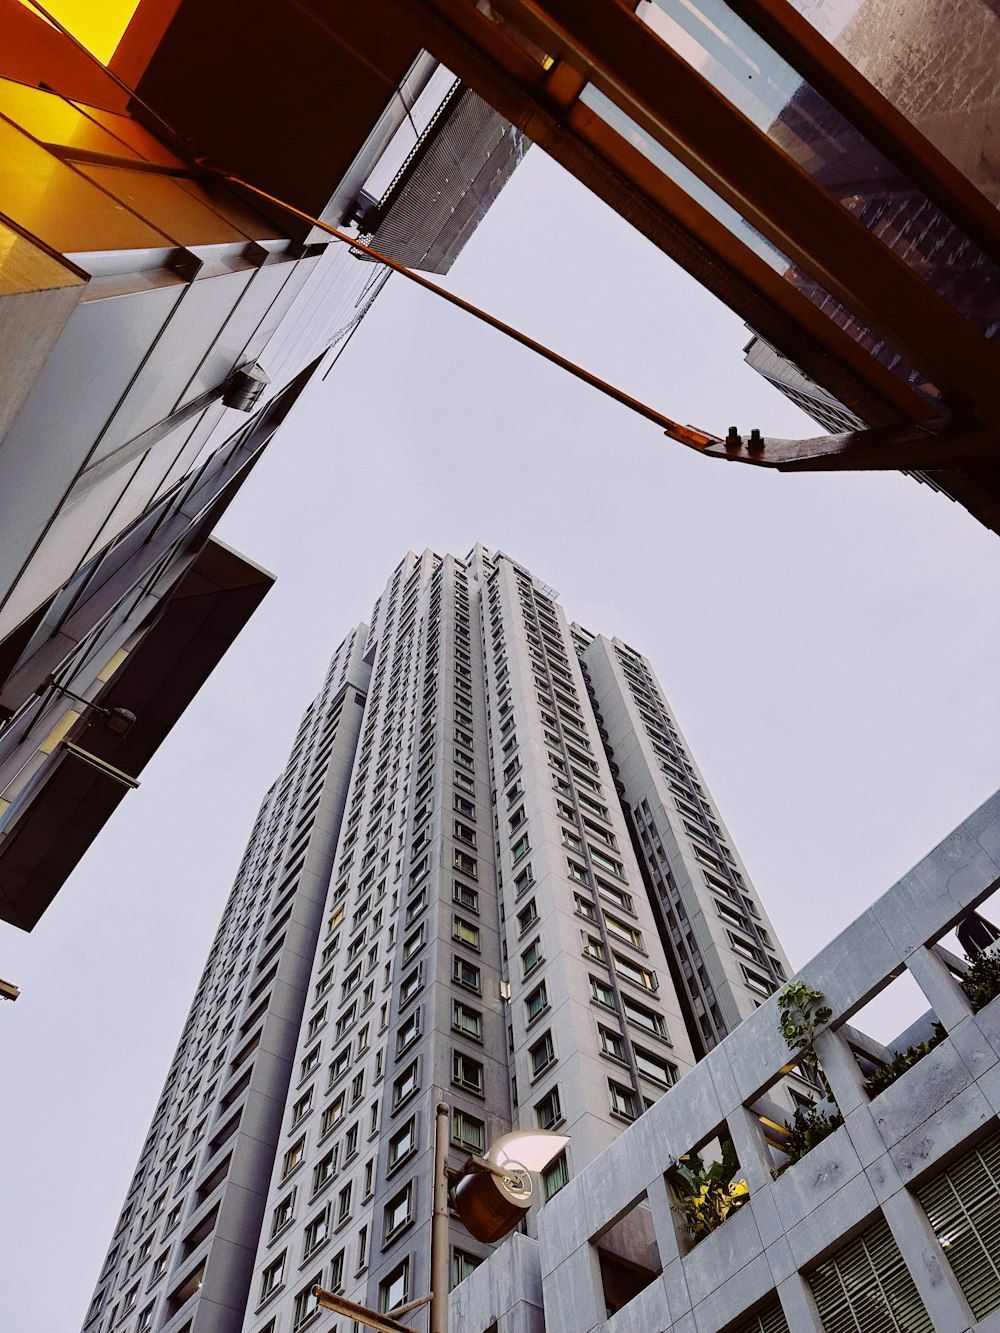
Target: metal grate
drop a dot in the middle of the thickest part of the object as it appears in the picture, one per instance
(867, 1288)
(963, 1206)
(771, 1320)
(446, 186)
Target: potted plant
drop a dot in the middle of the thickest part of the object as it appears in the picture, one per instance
(708, 1195)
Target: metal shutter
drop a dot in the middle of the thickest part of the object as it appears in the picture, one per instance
(771, 1320)
(867, 1288)
(963, 1206)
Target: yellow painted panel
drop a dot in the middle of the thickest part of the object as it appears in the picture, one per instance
(50, 118)
(59, 731)
(112, 665)
(176, 212)
(98, 24)
(55, 203)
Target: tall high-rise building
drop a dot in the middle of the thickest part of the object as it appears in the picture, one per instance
(490, 874)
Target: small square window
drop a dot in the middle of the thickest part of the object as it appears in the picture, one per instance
(394, 1290)
(467, 1073)
(467, 1131)
(402, 1143)
(531, 957)
(466, 974)
(399, 1211)
(548, 1111)
(405, 1085)
(542, 1054)
(527, 916)
(467, 1020)
(293, 1157)
(536, 1002)
(466, 932)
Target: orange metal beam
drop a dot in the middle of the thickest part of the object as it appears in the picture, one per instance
(638, 70)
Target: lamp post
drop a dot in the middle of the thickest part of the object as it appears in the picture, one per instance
(490, 1194)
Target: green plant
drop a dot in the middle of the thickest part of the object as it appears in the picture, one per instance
(708, 1194)
(800, 1012)
(808, 1127)
(982, 981)
(901, 1062)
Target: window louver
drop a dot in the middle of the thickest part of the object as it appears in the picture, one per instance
(771, 1320)
(867, 1288)
(963, 1206)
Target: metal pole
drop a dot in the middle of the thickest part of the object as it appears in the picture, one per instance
(440, 1273)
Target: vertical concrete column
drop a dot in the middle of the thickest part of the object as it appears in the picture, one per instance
(930, 1270)
(841, 1070)
(743, 1128)
(575, 1293)
(944, 994)
(798, 1305)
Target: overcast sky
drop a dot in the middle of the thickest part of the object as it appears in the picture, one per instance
(829, 645)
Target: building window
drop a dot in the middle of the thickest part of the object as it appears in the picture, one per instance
(332, 1114)
(759, 985)
(466, 974)
(412, 944)
(398, 1211)
(324, 1169)
(963, 1205)
(395, 1289)
(411, 985)
(466, 1020)
(306, 1304)
(293, 1157)
(405, 1085)
(555, 1176)
(273, 1276)
(524, 879)
(531, 957)
(302, 1107)
(341, 1063)
(466, 1072)
(653, 1067)
(466, 864)
(467, 1131)
(621, 930)
(585, 906)
(466, 932)
(465, 895)
(283, 1213)
(866, 1285)
(630, 971)
(612, 1043)
(462, 1264)
(602, 993)
(548, 1111)
(344, 1203)
(316, 1232)
(520, 848)
(647, 1019)
(337, 1272)
(536, 1002)
(527, 916)
(624, 1101)
(402, 1143)
(408, 1031)
(542, 1054)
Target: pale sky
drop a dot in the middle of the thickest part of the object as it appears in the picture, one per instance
(829, 645)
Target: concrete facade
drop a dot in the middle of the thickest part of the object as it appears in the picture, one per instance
(865, 1197)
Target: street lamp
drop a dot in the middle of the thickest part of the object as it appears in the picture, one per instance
(490, 1194)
